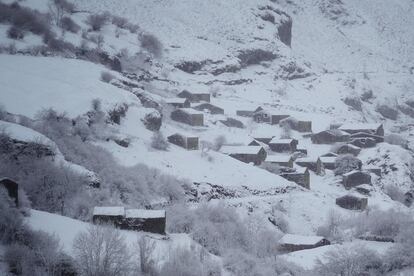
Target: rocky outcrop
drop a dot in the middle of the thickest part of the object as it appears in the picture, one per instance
(284, 31)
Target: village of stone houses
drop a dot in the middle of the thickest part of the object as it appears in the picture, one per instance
(206, 138)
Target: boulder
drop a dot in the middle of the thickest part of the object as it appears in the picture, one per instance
(351, 202)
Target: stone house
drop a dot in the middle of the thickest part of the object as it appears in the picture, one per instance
(264, 139)
(355, 178)
(300, 176)
(246, 154)
(12, 189)
(187, 142)
(375, 128)
(108, 215)
(188, 116)
(195, 97)
(212, 109)
(283, 145)
(352, 202)
(349, 149)
(312, 164)
(178, 102)
(328, 162)
(280, 160)
(152, 221)
(292, 242)
(268, 116)
(329, 154)
(330, 136)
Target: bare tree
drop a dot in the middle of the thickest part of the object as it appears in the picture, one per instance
(146, 249)
(102, 250)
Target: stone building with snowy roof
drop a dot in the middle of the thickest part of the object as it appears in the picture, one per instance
(283, 145)
(280, 160)
(330, 136)
(328, 162)
(12, 189)
(374, 128)
(355, 178)
(184, 141)
(349, 149)
(195, 97)
(313, 164)
(300, 176)
(188, 116)
(131, 219)
(178, 102)
(210, 108)
(246, 154)
(292, 242)
(152, 221)
(108, 215)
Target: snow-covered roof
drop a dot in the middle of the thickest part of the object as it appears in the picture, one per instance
(176, 100)
(281, 141)
(240, 149)
(359, 126)
(300, 240)
(191, 111)
(142, 213)
(328, 159)
(194, 92)
(278, 158)
(184, 135)
(109, 211)
(307, 159)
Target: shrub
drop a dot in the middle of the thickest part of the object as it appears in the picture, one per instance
(117, 113)
(219, 142)
(97, 21)
(158, 141)
(346, 163)
(15, 33)
(153, 120)
(268, 17)
(69, 25)
(58, 9)
(102, 250)
(255, 56)
(387, 111)
(59, 45)
(354, 102)
(349, 261)
(151, 43)
(98, 39)
(11, 221)
(331, 229)
(120, 22)
(182, 262)
(367, 95)
(107, 76)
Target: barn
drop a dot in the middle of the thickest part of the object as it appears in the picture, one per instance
(230, 122)
(375, 128)
(195, 97)
(292, 242)
(246, 154)
(301, 177)
(280, 160)
(210, 108)
(330, 136)
(355, 178)
(187, 142)
(12, 189)
(178, 102)
(152, 221)
(283, 145)
(188, 116)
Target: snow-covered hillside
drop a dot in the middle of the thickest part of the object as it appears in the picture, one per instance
(325, 61)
